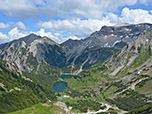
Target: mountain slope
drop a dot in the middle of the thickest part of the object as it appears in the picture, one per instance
(124, 80)
(17, 91)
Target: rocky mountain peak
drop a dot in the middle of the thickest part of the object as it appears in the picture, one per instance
(27, 40)
(30, 38)
(107, 36)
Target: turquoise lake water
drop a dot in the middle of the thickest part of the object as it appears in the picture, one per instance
(60, 86)
(63, 76)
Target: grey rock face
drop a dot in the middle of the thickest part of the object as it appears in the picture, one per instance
(27, 52)
(111, 35)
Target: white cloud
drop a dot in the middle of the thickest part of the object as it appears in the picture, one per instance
(61, 37)
(61, 8)
(21, 25)
(113, 18)
(77, 27)
(40, 3)
(57, 37)
(16, 34)
(136, 16)
(146, 2)
(42, 33)
(12, 35)
(3, 38)
(133, 16)
(73, 37)
(4, 26)
(82, 28)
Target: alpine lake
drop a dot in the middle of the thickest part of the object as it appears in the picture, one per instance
(61, 86)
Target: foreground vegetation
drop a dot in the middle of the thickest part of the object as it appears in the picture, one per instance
(18, 92)
(45, 108)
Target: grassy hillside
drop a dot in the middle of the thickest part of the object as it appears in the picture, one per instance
(18, 92)
(45, 108)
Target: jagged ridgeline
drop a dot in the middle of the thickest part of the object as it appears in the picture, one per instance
(113, 65)
(32, 51)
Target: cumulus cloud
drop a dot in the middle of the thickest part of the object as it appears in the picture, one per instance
(79, 28)
(132, 16)
(50, 35)
(4, 26)
(57, 37)
(15, 33)
(136, 16)
(43, 33)
(73, 37)
(82, 28)
(113, 18)
(61, 37)
(61, 8)
(21, 25)
(3, 38)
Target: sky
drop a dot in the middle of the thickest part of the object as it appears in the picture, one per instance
(61, 20)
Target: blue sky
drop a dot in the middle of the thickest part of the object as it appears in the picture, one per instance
(64, 19)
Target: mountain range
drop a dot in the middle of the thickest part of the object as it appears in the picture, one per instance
(112, 66)
(28, 52)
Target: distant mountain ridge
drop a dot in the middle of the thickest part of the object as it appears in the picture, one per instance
(28, 52)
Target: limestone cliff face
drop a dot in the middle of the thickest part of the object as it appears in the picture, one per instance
(135, 57)
(26, 53)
